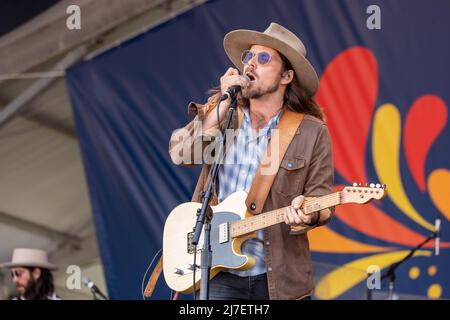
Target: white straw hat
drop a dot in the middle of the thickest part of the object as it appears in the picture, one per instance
(23, 257)
(281, 39)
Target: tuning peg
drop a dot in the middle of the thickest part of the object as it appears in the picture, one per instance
(378, 185)
(383, 186)
(360, 184)
(355, 184)
(372, 185)
(366, 185)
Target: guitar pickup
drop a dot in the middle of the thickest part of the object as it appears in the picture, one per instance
(223, 232)
(190, 246)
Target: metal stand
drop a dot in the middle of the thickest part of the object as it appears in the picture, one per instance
(390, 273)
(204, 215)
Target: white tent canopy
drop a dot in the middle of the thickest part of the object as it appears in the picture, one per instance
(44, 199)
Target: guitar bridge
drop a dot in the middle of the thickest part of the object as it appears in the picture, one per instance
(185, 269)
(190, 246)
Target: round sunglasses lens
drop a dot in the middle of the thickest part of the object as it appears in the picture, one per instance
(263, 58)
(246, 56)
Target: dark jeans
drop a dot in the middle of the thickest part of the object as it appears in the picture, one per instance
(227, 286)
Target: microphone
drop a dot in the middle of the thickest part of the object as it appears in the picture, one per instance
(232, 91)
(437, 239)
(94, 289)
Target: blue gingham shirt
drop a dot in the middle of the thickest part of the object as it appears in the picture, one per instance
(236, 174)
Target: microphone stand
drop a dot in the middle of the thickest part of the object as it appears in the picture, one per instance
(100, 294)
(94, 289)
(204, 214)
(390, 273)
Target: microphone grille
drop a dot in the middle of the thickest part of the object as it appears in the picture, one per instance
(86, 281)
(437, 225)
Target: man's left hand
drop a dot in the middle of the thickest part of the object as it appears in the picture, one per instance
(294, 216)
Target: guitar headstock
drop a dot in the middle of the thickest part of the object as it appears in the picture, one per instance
(359, 193)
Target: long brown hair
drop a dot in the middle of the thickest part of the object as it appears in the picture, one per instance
(297, 99)
(41, 288)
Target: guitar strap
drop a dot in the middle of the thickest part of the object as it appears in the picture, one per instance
(268, 168)
(154, 278)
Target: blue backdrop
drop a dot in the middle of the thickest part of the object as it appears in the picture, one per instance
(128, 101)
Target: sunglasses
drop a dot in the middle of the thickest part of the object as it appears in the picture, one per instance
(263, 57)
(16, 274)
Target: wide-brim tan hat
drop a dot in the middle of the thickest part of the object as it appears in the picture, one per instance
(23, 257)
(280, 39)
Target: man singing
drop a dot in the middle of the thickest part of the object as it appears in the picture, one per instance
(278, 84)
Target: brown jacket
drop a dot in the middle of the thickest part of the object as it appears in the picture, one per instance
(307, 168)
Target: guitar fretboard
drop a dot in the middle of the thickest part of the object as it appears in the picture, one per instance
(270, 218)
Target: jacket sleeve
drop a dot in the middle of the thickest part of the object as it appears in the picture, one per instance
(320, 177)
(187, 144)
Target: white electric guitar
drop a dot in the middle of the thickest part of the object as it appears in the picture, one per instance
(231, 225)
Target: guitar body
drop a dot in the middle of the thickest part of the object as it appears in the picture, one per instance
(229, 231)
(178, 255)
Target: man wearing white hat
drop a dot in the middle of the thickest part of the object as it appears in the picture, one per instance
(277, 86)
(31, 274)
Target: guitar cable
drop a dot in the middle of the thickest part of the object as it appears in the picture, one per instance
(145, 274)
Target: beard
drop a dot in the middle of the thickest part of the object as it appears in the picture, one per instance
(259, 92)
(30, 290)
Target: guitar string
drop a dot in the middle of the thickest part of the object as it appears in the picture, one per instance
(327, 201)
(322, 200)
(328, 198)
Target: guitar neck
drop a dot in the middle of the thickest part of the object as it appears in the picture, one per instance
(270, 218)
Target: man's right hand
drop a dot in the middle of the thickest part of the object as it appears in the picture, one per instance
(230, 78)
